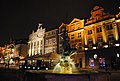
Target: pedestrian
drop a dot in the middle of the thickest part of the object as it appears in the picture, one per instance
(8, 64)
(5, 65)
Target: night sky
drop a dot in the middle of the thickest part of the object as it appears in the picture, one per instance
(18, 18)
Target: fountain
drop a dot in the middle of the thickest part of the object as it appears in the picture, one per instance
(66, 65)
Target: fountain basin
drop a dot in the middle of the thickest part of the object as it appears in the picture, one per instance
(47, 76)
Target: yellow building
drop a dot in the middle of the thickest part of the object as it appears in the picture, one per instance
(98, 33)
(76, 34)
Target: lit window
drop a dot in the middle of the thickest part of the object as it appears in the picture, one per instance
(99, 29)
(50, 41)
(72, 36)
(72, 28)
(117, 44)
(108, 27)
(111, 39)
(46, 42)
(106, 46)
(94, 47)
(80, 46)
(78, 26)
(90, 42)
(79, 35)
(54, 40)
(100, 41)
(89, 32)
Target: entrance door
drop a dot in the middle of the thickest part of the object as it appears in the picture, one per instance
(39, 62)
(80, 63)
(102, 63)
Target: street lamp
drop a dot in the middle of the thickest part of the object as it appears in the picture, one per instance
(105, 46)
(118, 55)
(95, 56)
(86, 48)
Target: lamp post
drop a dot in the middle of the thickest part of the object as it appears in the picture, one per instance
(118, 55)
(95, 56)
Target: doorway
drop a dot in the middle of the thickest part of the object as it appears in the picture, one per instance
(80, 63)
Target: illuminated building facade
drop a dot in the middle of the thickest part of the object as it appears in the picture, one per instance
(101, 35)
(76, 34)
(96, 39)
(51, 41)
(36, 42)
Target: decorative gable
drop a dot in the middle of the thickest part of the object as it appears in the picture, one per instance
(98, 14)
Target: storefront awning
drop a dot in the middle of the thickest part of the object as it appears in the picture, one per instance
(48, 56)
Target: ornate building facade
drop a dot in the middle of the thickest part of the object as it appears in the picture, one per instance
(101, 34)
(96, 39)
(36, 41)
(76, 34)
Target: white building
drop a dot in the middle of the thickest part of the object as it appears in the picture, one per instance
(36, 41)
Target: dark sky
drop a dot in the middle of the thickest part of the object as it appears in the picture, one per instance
(18, 18)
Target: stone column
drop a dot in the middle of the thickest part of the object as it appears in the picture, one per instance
(30, 50)
(116, 36)
(85, 35)
(42, 45)
(39, 46)
(104, 33)
(93, 30)
(33, 49)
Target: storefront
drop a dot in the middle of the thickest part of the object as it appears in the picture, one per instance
(101, 58)
(41, 61)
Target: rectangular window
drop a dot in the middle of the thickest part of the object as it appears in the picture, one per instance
(111, 39)
(100, 41)
(46, 42)
(37, 43)
(54, 40)
(54, 50)
(80, 46)
(78, 26)
(90, 42)
(73, 46)
(72, 28)
(89, 32)
(79, 35)
(50, 41)
(108, 27)
(91, 61)
(72, 36)
(99, 29)
(41, 41)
